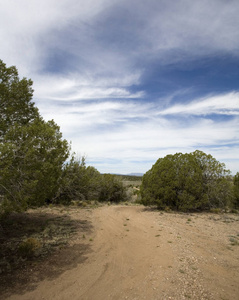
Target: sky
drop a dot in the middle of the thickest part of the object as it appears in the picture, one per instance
(131, 81)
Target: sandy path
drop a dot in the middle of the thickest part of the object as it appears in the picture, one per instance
(141, 254)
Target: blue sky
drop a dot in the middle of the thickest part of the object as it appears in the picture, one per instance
(131, 81)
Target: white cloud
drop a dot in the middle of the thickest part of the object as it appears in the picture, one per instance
(226, 104)
(134, 136)
(67, 90)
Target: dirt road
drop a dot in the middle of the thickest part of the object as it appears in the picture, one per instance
(134, 253)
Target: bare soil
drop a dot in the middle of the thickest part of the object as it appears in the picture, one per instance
(129, 252)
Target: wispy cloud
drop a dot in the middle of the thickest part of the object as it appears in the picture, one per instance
(80, 88)
(227, 104)
(130, 131)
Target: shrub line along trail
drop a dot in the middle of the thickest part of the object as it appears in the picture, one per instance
(137, 253)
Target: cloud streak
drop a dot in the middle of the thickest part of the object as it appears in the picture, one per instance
(131, 132)
(227, 104)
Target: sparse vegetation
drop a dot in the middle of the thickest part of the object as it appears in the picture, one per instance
(234, 241)
(216, 210)
(28, 248)
(30, 236)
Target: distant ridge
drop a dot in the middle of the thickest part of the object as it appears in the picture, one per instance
(130, 174)
(135, 174)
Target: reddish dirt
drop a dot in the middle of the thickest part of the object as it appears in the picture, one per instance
(129, 252)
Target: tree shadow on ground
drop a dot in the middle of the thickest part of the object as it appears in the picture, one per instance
(52, 256)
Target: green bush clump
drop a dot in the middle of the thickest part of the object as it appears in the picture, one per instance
(28, 248)
(33, 154)
(112, 189)
(236, 190)
(32, 151)
(194, 181)
(82, 184)
(78, 183)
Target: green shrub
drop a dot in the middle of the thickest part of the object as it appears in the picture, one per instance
(32, 151)
(216, 210)
(194, 181)
(28, 248)
(236, 190)
(78, 183)
(112, 189)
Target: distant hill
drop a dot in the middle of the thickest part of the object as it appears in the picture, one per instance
(136, 174)
(130, 174)
(130, 177)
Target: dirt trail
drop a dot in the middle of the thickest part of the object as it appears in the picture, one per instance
(142, 254)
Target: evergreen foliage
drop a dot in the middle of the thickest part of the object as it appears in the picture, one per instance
(236, 190)
(193, 181)
(33, 154)
(32, 151)
(78, 182)
(16, 106)
(112, 189)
